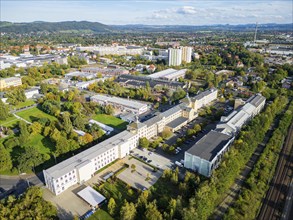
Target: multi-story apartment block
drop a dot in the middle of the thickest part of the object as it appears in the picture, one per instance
(175, 57)
(186, 54)
(9, 82)
(83, 166)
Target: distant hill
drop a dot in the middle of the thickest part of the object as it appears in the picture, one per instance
(66, 26)
(191, 28)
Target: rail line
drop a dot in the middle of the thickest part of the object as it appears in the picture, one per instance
(273, 203)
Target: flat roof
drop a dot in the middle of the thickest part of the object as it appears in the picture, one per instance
(120, 101)
(91, 196)
(256, 100)
(209, 145)
(72, 163)
(178, 121)
(204, 94)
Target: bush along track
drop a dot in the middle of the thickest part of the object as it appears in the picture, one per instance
(249, 202)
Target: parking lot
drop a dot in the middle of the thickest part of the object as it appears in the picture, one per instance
(153, 158)
(142, 178)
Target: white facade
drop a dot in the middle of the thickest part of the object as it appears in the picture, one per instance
(234, 121)
(31, 92)
(207, 153)
(82, 166)
(204, 98)
(113, 50)
(186, 54)
(175, 57)
(11, 81)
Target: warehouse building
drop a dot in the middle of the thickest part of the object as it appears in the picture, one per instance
(206, 154)
(123, 104)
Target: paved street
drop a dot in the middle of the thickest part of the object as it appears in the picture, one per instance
(18, 184)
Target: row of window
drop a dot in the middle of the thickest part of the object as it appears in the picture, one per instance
(66, 175)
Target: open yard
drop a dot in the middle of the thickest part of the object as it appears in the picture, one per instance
(9, 122)
(111, 121)
(20, 105)
(34, 114)
(43, 144)
(143, 176)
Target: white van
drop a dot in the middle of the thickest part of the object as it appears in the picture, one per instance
(178, 164)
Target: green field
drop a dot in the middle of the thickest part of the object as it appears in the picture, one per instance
(28, 102)
(10, 122)
(111, 121)
(34, 114)
(100, 214)
(43, 144)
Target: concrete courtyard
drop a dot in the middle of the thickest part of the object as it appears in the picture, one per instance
(137, 179)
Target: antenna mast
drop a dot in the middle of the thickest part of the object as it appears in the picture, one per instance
(255, 33)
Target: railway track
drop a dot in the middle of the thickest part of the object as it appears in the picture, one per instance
(276, 195)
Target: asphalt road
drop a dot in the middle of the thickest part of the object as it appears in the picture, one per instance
(18, 184)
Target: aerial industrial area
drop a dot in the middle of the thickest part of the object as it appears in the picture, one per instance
(145, 121)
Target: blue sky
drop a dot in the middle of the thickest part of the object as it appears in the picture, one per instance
(177, 12)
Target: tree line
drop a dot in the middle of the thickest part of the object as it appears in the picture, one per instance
(250, 199)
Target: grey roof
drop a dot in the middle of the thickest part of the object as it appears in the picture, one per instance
(203, 94)
(71, 163)
(209, 145)
(171, 111)
(256, 100)
(153, 120)
(120, 101)
(178, 121)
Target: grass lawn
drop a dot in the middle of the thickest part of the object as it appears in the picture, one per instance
(10, 122)
(28, 102)
(100, 215)
(34, 114)
(43, 144)
(111, 121)
(118, 190)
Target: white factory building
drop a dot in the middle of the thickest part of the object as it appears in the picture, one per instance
(169, 74)
(113, 50)
(123, 104)
(205, 155)
(81, 167)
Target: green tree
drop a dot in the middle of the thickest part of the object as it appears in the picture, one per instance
(29, 159)
(127, 211)
(4, 112)
(67, 125)
(24, 134)
(133, 167)
(144, 142)
(152, 212)
(35, 128)
(109, 110)
(5, 159)
(166, 133)
(30, 205)
(111, 206)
